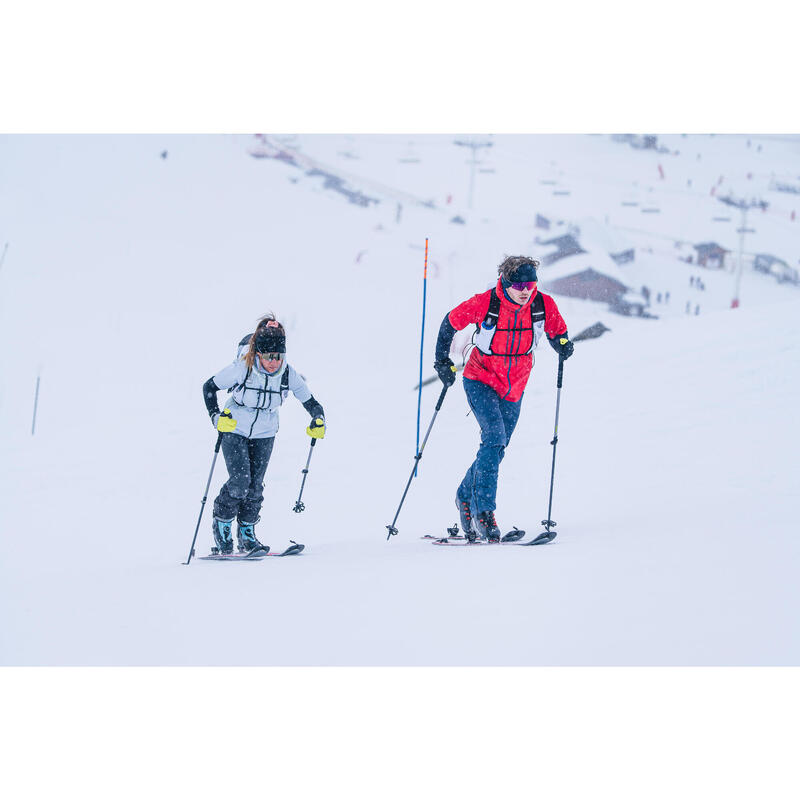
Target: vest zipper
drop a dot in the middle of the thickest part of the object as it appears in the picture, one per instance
(510, 351)
(253, 424)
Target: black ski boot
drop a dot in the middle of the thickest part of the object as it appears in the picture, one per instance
(246, 537)
(222, 536)
(465, 517)
(486, 526)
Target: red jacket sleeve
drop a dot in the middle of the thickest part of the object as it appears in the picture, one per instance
(471, 311)
(554, 324)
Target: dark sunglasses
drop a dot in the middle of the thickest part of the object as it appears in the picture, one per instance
(519, 287)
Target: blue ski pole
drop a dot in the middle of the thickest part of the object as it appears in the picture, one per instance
(422, 345)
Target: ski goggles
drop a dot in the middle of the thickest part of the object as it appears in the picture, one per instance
(521, 287)
(272, 356)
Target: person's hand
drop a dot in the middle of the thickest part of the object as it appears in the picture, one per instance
(446, 371)
(316, 430)
(562, 345)
(224, 422)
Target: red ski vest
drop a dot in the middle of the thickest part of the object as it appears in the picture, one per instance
(508, 368)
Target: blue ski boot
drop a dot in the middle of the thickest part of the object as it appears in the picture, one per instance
(486, 526)
(465, 516)
(222, 536)
(246, 537)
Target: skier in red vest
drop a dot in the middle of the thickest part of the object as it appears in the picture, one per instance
(511, 319)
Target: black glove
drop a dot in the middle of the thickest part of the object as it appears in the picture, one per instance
(446, 371)
(562, 345)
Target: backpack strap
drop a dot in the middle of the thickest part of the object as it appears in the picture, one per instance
(492, 317)
(537, 315)
(537, 308)
(285, 380)
(240, 351)
(493, 312)
(485, 330)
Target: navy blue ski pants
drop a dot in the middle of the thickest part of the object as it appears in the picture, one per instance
(243, 492)
(497, 419)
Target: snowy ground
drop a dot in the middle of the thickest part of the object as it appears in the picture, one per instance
(129, 279)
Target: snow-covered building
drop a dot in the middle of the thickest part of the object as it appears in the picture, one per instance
(638, 141)
(772, 265)
(711, 254)
(551, 250)
(592, 276)
(594, 236)
(630, 304)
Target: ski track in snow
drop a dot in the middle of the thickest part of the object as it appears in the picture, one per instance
(130, 279)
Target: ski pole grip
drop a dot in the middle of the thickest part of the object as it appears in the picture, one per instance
(560, 371)
(219, 443)
(441, 398)
(313, 442)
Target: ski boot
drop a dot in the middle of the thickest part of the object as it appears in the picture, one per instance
(246, 537)
(222, 536)
(486, 526)
(465, 516)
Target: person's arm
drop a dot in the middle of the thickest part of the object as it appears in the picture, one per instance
(299, 387)
(210, 390)
(471, 311)
(224, 379)
(313, 407)
(556, 329)
(445, 339)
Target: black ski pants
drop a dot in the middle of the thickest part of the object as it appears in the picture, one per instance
(243, 492)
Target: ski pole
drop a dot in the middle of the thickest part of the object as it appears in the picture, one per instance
(391, 528)
(548, 535)
(300, 506)
(205, 496)
(422, 340)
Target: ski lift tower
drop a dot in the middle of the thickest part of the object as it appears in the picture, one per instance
(474, 144)
(744, 206)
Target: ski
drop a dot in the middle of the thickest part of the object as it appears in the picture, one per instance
(545, 537)
(512, 537)
(252, 555)
(255, 555)
(293, 550)
(452, 535)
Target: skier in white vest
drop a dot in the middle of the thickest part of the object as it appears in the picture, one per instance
(259, 380)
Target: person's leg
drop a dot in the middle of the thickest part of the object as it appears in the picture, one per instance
(466, 489)
(510, 413)
(234, 491)
(260, 451)
(481, 478)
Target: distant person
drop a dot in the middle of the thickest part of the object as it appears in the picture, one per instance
(658, 297)
(260, 379)
(696, 310)
(688, 307)
(646, 293)
(691, 281)
(666, 297)
(511, 319)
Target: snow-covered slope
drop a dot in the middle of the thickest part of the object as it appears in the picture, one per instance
(129, 279)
